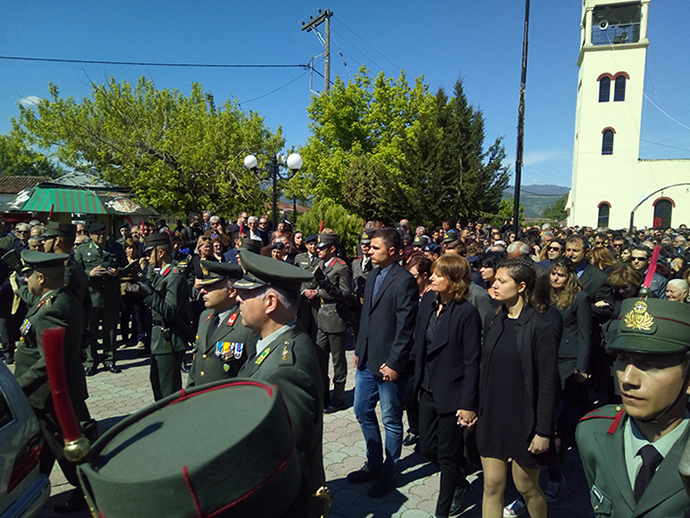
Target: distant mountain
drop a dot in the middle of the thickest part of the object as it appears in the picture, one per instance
(535, 198)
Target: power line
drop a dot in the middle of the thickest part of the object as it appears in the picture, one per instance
(367, 43)
(358, 50)
(277, 89)
(136, 63)
(664, 145)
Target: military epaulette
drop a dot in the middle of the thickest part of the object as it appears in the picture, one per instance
(340, 261)
(604, 413)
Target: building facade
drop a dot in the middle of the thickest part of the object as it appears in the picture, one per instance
(609, 178)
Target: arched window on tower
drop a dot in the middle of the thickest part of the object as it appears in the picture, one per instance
(604, 212)
(663, 207)
(619, 88)
(604, 89)
(607, 142)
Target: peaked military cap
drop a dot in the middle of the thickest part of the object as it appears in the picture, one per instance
(153, 240)
(96, 226)
(433, 248)
(240, 468)
(278, 245)
(124, 225)
(261, 271)
(311, 238)
(218, 271)
(653, 326)
(250, 245)
(450, 236)
(55, 229)
(420, 241)
(365, 236)
(36, 260)
(325, 240)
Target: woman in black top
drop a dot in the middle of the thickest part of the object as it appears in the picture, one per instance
(517, 390)
(447, 349)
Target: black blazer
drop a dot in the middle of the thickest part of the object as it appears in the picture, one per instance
(593, 281)
(538, 349)
(576, 341)
(452, 360)
(387, 324)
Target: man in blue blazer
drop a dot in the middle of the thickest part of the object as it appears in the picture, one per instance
(383, 345)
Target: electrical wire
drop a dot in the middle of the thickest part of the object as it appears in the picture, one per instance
(367, 43)
(276, 90)
(363, 54)
(136, 63)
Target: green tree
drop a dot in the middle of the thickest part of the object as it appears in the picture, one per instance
(386, 150)
(16, 158)
(505, 212)
(556, 212)
(179, 153)
(334, 216)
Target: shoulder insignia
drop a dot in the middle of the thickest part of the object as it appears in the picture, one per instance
(232, 319)
(339, 260)
(285, 353)
(262, 356)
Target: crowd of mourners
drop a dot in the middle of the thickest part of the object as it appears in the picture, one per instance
(499, 347)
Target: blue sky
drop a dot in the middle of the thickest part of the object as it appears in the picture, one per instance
(477, 40)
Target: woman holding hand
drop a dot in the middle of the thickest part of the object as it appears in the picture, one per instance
(447, 350)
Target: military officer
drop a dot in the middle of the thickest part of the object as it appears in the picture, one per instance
(167, 294)
(335, 295)
(55, 306)
(630, 453)
(222, 342)
(101, 260)
(309, 301)
(286, 356)
(361, 267)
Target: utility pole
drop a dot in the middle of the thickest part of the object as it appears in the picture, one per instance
(313, 23)
(521, 125)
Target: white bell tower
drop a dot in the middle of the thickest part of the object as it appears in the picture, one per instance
(609, 112)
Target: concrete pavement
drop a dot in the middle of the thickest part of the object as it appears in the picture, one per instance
(113, 396)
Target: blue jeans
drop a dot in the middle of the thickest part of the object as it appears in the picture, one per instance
(370, 389)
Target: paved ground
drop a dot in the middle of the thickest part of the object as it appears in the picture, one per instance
(113, 396)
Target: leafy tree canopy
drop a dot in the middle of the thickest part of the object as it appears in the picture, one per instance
(180, 154)
(334, 216)
(16, 158)
(386, 150)
(556, 212)
(506, 213)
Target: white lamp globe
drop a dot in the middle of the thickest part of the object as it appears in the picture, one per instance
(250, 162)
(294, 161)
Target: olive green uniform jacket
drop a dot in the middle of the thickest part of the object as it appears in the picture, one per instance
(105, 290)
(600, 441)
(337, 299)
(221, 355)
(290, 362)
(58, 308)
(169, 305)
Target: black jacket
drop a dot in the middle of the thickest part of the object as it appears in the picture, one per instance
(387, 325)
(593, 281)
(577, 331)
(452, 360)
(538, 349)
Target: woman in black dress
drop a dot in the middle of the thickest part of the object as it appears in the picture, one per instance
(517, 390)
(447, 349)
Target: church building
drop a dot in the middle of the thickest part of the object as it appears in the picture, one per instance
(609, 177)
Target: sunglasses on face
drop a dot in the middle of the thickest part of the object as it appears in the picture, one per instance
(554, 248)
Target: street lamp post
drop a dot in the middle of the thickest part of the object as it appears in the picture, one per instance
(293, 163)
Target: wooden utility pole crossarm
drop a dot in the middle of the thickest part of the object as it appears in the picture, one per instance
(313, 23)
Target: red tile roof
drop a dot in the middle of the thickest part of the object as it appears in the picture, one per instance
(16, 184)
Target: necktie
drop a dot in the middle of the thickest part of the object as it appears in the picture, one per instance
(214, 325)
(377, 285)
(651, 459)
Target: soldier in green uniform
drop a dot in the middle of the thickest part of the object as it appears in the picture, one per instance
(168, 297)
(309, 301)
(101, 260)
(630, 453)
(222, 342)
(286, 356)
(335, 296)
(55, 307)
(361, 267)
